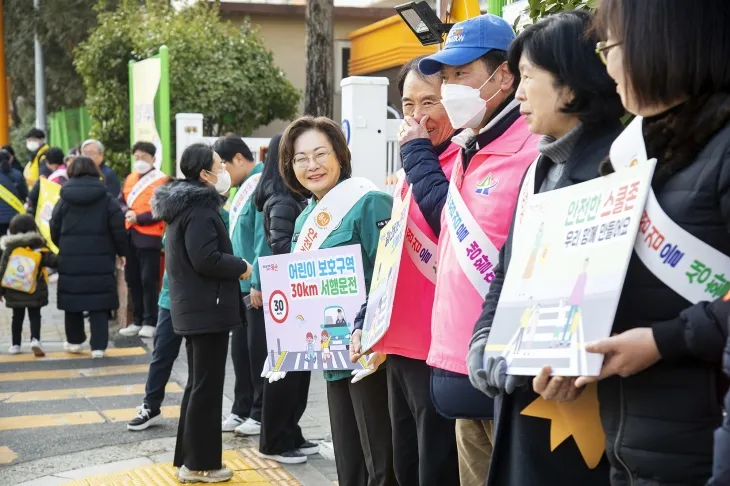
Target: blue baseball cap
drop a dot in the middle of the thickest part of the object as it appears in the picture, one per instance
(468, 41)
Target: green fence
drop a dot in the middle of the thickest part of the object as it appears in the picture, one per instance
(69, 127)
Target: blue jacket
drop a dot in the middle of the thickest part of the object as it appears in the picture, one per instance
(15, 183)
(430, 184)
(113, 186)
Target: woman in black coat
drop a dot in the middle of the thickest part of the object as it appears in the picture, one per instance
(87, 226)
(203, 278)
(661, 382)
(570, 100)
(285, 396)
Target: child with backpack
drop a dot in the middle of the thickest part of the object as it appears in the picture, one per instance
(24, 279)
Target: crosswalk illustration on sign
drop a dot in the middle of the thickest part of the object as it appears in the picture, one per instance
(301, 361)
(548, 339)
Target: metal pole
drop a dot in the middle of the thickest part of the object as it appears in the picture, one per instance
(4, 112)
(40, 84)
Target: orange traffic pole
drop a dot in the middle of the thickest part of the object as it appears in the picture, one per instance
(4, 113)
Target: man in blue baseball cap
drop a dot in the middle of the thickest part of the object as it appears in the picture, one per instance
(496, 150)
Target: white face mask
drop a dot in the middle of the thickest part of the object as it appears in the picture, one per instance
(464, 105)
(142, 166)
(32, 145)
(223, 181)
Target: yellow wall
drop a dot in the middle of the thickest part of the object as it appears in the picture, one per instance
(285, 37)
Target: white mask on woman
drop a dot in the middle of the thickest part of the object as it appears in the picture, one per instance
(33, 145)
(464, 105)
(222, 182)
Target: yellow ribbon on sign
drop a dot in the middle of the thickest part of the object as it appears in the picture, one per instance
(48, 196)
(11, 199)
(580, 418)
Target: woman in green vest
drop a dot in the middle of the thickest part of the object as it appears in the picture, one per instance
(314, 160)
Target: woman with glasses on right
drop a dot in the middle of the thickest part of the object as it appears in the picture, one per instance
(661, 382)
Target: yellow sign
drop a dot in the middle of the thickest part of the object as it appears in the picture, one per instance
(579, 418)
(49, 194)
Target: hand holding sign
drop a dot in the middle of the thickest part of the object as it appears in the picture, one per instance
(625, 354)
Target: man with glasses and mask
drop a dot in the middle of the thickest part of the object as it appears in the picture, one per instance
(474, 208)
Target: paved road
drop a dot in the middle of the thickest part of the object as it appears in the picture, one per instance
(66, 403)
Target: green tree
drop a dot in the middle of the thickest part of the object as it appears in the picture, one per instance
(61, 26)
(216, 69)
(537, 9)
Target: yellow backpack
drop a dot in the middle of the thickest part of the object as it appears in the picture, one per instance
(23, 269)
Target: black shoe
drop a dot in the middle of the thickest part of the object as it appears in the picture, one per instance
(145, 418)
(309, 448)
(289, 457)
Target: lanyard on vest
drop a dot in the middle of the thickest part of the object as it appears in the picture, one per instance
(475, 252)
(240, 199)
(146, 181)
(420, 248)
(683, 262)
(11, 199)
(330, 212)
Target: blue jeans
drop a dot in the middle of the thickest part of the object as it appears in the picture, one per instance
(167, 347)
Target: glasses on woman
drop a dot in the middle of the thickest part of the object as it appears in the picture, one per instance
(603, 48)
(320, 158)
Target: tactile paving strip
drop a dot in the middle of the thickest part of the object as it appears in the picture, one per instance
(248, 469)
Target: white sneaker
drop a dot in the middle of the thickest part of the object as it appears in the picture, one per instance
(131, 330)
(72, 348)
(231, 422)
(249, 427)
(97, 353)
(37, 349)
(14, 349)
(147, 331)
(185, 475)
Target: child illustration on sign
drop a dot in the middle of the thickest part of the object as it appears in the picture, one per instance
(340, 318)
(564, 335)
(325, 343)
(527, 275)
(310, 356)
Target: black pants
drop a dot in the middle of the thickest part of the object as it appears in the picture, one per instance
(424, 442)
(361, 432)
(199, 442)
(167, 347)
(284, 404)
(75, 333)
(34, 314)
(248, 353)
(142, 274)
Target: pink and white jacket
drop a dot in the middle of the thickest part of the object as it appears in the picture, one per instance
(489, 189)
(409, 333)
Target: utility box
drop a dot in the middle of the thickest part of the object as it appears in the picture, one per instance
(364, 115)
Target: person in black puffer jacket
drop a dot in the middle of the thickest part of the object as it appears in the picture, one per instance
(285, 399)
(203, 279)
(661, 382)
(87, 226)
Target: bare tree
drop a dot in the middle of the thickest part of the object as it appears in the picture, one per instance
(320, 58)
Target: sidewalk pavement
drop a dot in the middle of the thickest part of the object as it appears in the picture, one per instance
(141, 462)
